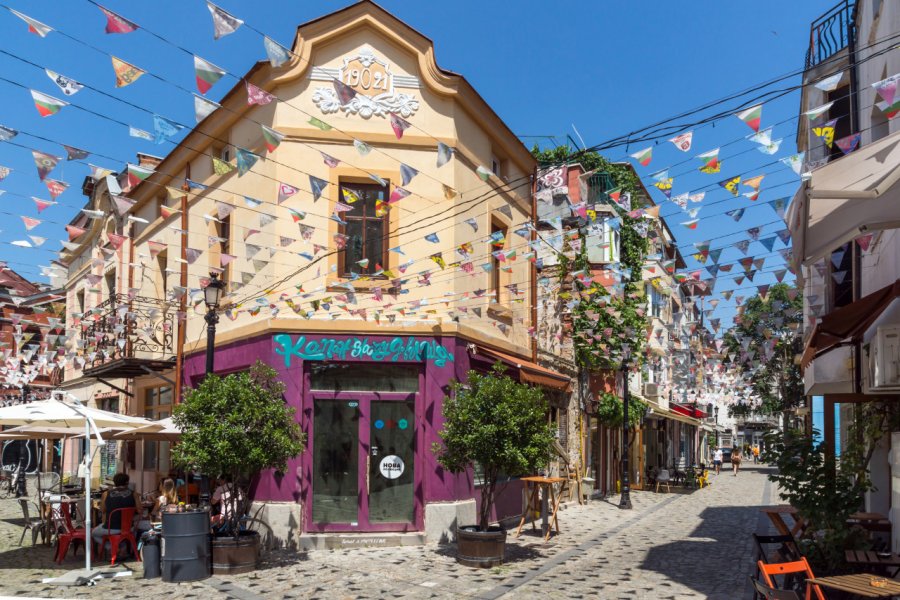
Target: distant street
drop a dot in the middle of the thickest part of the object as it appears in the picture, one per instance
(671, 546)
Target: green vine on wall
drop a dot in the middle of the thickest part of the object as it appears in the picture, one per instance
(603, 322)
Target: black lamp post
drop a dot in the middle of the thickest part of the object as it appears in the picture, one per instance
(212, 294)
(625, 500)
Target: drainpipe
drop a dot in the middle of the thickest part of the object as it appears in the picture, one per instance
(534, 266)
(182, 305)
(854, 75)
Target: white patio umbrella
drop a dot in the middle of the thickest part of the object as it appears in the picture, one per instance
(55, 413)
(163, 430)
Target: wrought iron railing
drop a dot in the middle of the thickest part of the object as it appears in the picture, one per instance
(123, 327)
(831, 33)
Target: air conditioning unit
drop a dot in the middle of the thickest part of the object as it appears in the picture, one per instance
(883, 364)
(651, 390)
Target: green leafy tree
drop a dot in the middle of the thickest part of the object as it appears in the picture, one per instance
(776, 380)
(237, 426)
(619, 319)
(500, 424)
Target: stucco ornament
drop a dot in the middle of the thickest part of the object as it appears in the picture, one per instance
(372, 80)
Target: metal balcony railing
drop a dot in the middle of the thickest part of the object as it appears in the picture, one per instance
(123, 327)
(831, 33)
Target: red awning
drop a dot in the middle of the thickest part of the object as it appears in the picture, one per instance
(848, 322)
(529, 372)
(688, 411)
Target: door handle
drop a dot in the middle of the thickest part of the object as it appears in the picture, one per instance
(368, 466)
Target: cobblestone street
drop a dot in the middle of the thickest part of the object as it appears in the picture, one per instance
(674, 546)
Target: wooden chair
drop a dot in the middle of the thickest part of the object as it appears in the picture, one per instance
(769, 593)
(663, 478)
(798, 566)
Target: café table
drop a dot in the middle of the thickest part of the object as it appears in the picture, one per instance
(542, 499)
(859, 585)
(888, 564)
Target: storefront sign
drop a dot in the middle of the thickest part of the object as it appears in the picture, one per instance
(394, 350)
(391, 467)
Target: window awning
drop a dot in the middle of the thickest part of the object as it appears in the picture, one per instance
(848, 322)
(846, 198)
(688, 411)
(529, 372)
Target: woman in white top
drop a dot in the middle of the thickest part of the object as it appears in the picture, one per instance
(717, 460)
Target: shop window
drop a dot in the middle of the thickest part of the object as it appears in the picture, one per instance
(109, 451)
(221, 231)
(367, 228)
(162, 279)
(497, 243)
(110, 281)
(363, 377)
(157, 405)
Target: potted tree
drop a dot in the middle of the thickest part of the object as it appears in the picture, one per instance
(500, 425)
(236, 426)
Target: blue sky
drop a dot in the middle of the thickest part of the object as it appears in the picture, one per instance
(608, 68)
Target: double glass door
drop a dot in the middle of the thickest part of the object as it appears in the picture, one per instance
(363, 471)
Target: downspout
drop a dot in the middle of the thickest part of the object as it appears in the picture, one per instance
(182, 305)
(534, 266)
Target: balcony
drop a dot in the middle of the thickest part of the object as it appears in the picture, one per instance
(831, 33)
(128, 337)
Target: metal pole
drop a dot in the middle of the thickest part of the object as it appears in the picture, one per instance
(625, 500)
(87, 494)
(211, 319)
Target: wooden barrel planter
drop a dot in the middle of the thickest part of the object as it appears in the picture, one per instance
(232, 556)
(480, 548)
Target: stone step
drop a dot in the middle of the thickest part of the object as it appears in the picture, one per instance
(337, 541)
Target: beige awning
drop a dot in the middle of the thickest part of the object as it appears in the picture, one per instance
(846, 198)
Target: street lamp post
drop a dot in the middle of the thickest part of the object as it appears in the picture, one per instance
(212, 294)
(625, 500)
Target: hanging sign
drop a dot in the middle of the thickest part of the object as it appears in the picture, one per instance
(393, 350)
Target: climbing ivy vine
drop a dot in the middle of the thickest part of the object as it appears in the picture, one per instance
(603, 322)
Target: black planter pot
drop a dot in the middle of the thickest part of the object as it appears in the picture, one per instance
(231, 556)
(481, 549)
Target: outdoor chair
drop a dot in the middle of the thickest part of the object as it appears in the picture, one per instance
(769, 593)
(66, 532)
(703, 478)
(787, 551)
(34, 524)
(663, 479)
(800, 567)
(126, 534)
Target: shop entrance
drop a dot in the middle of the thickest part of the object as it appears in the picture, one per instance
(364, 450)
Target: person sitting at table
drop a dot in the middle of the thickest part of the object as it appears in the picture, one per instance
(168, 497)
(221, 499)
(119, 496)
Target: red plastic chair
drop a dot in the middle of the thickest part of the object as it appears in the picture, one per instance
(66, 532)
(797, 566)
(126, 533)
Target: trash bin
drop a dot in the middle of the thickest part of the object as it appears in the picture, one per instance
(185, 546)
(150, 554)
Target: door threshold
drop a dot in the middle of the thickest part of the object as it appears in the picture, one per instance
(344, 541)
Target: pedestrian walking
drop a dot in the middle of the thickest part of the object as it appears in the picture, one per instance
(735, 459)
(756, 454)
(717, 460)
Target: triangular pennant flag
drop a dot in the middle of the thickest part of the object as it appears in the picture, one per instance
(223, 209)
(116, 240)
(30, 223)
(285, 191)
(67, 86)
(272, 138)
(711, 162)
(768, 243)
(44, 163)
(34, 26)
(397, 195)
(74, 231)
(683, 141)
(245, 160)
(203, 107)
(407, 173)
(784, 235)
(7, 133)
(864, 241)
(344, 92)
(191, 255)
(137, 174)
(826, 132)
(830, 83)
(887, 88)
(751, 116)
(444, 154)
(644, 156)
(399, 125)
(257, 95)
(47, 105)
(754, 182)
(361, 147)
(42, 204)
(123, 204)
(330, 161)
(795, 162)
(165, 129)
(4, 172)
(220, 167)
(117, 23)
(318, 186)
(126, 73)
(692, 224)
(319, 123)
(848, 144)
(762, 137)
(277, 54)
(483, 172)
(73, 153)
(207, 74)
(817, 112)
(224, 23)
(665, 186)
(55, 187)
(743, 246)
(736, 214)
(731, 185)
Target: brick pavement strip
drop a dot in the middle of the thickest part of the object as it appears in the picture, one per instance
(671, 546)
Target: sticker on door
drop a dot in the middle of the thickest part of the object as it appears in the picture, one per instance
(391, 467)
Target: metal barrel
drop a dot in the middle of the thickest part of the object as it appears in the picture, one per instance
(185, 546)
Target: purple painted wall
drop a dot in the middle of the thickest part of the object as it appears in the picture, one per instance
(438, 485)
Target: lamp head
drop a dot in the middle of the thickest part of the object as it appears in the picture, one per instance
(213, 292)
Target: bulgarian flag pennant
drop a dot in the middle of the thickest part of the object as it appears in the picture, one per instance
(137, 174)
(47, 105)
(711, 162)
(692, 224)
(116, 23)
(751, 116)
(644, 156)
(126, 73)
(207, 74)
(273, 138)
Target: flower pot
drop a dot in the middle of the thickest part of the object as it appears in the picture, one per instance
(231, 556)
(482, 549)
